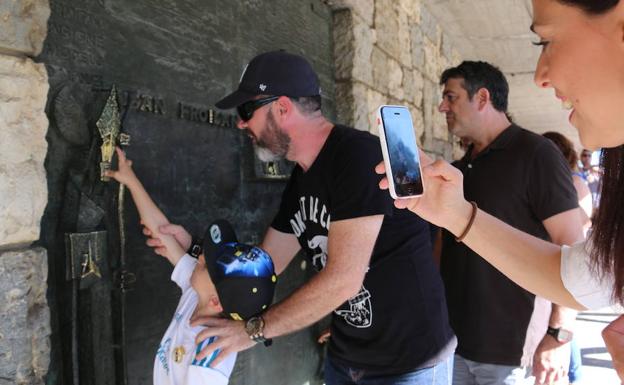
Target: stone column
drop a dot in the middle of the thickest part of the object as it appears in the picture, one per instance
(391, 52)
(24, 313)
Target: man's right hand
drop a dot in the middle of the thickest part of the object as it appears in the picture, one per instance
(178, 232)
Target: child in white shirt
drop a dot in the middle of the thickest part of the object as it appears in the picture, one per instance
(228, 278)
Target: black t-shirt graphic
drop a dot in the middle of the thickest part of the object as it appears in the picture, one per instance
(398, 321)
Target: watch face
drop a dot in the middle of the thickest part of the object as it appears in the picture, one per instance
(254, 325)
(564, 335)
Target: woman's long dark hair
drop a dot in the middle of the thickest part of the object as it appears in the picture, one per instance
(608, 223)
(607, 254)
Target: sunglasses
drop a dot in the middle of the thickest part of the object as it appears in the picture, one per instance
(247, 109)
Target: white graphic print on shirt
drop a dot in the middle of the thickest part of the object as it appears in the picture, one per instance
(319, 259)
(359, 314)
(312, 214)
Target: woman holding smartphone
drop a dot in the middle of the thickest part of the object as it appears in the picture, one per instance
(582, 59)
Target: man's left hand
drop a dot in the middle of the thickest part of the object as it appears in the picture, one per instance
(231, 337)
(551, 362)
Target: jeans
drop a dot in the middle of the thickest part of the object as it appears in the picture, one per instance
(468, 372)
(576, 361)
(337, 374)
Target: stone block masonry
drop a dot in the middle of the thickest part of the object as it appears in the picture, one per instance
(24, 312)
(24, 316)
(23, 124)
(392, 52)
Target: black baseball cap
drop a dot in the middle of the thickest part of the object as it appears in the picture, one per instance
(274, 73)
(243, 275)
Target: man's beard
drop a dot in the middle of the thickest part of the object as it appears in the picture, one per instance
(273, 144)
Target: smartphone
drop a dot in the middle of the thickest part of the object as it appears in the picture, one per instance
(400, 152)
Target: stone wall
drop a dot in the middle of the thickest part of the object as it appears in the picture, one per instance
(385, 51)
(24, 314)
(392, 52)
(24, 317)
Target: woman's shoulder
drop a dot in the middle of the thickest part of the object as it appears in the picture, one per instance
(586, 285)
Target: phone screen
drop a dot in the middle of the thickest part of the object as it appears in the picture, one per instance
(402, 151)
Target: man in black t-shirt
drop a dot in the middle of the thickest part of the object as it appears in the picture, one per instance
(376, 274)
(522, 179)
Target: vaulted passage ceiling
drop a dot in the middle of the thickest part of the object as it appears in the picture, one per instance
(497, 31)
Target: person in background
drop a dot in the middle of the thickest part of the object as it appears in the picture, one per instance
(586, 207)
(592, 176)
(521, 178)
(578, 178)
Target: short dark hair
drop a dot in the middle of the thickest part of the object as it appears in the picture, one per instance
(594, 7)
(308, 104)
(477, 75)
(566, 147)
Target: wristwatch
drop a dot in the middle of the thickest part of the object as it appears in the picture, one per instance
(560, 334)
(254, 327)
(196, 247)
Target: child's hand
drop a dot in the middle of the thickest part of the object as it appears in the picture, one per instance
(124, 173)
(178, 232)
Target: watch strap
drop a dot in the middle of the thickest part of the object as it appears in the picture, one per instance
(559, 334)
(259, 338)
(553, 332)
(196, 247)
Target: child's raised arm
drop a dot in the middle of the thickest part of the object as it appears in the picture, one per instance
(151, 216)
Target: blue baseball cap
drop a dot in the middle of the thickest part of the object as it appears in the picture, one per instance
(274, 73)
(243, 275)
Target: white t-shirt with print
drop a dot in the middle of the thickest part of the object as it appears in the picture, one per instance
(175, 362)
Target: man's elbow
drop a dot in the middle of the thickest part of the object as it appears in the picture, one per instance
(352, 288)
(342, 283)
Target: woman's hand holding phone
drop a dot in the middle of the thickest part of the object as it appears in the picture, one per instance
(443, 202)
